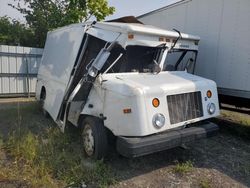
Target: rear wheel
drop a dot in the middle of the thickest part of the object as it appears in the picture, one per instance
(94, 138)
(42, 101)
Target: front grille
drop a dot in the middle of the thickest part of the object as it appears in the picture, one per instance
(183, 107)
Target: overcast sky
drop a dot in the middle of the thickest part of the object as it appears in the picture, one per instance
(123, 7)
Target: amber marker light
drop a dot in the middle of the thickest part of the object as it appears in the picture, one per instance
(196, 42)
(155, 102)
(209, 94)
(162, 39)
(130, 36)
(167, 40)
(127, 110)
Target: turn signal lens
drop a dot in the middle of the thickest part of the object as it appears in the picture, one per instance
(127, 111)
(167, 40)
(162, 39)
(209, 94)
(130, 36)
(155, 102)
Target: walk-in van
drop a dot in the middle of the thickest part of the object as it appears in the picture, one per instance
(128, 80)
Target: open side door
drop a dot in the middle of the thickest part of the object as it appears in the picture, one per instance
(60, 54)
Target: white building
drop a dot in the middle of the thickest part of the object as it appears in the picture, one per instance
(224, 28)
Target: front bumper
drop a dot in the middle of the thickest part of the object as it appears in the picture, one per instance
(138, 146)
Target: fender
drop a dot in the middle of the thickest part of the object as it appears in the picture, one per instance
(93, 107)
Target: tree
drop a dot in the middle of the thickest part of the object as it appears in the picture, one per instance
(12, 32)
(45, 15)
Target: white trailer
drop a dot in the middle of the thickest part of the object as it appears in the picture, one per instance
(129, 80)
(224, 49)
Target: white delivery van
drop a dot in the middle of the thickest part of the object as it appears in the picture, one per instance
(129, 80)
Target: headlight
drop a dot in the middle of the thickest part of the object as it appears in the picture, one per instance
(158, 120)
(211, 108)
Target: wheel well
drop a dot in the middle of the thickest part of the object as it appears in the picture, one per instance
(111, 135)
(43, 93)
(81, 118)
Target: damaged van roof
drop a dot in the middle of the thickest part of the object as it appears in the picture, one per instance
(134, 28)
(142, 29)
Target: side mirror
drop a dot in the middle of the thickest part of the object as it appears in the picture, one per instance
(98, 62)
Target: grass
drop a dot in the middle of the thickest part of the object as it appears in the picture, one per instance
(242, 119)
(204, 183)
(41, 156)
(235, 123)
(1, 141)
(183, 168)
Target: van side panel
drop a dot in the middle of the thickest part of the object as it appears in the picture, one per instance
(58, 59)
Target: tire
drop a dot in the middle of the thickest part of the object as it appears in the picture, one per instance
(42, 101)
(94, 138)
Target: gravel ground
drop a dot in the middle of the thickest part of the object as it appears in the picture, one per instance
(220, 161)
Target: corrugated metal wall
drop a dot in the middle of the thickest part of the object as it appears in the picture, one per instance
(18, 70)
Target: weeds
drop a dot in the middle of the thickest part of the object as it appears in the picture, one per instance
(23, 146)
(100, 173)
(183, 168)
(42, 156)
(234, 123)
(204, 183)
(1, 141)
(242, 119)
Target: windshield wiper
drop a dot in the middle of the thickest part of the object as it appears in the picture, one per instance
(179, 37)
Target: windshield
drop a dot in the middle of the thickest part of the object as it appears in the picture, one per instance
(134, 59)
(180, 60)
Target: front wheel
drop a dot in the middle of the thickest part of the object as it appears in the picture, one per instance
(94, 137)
